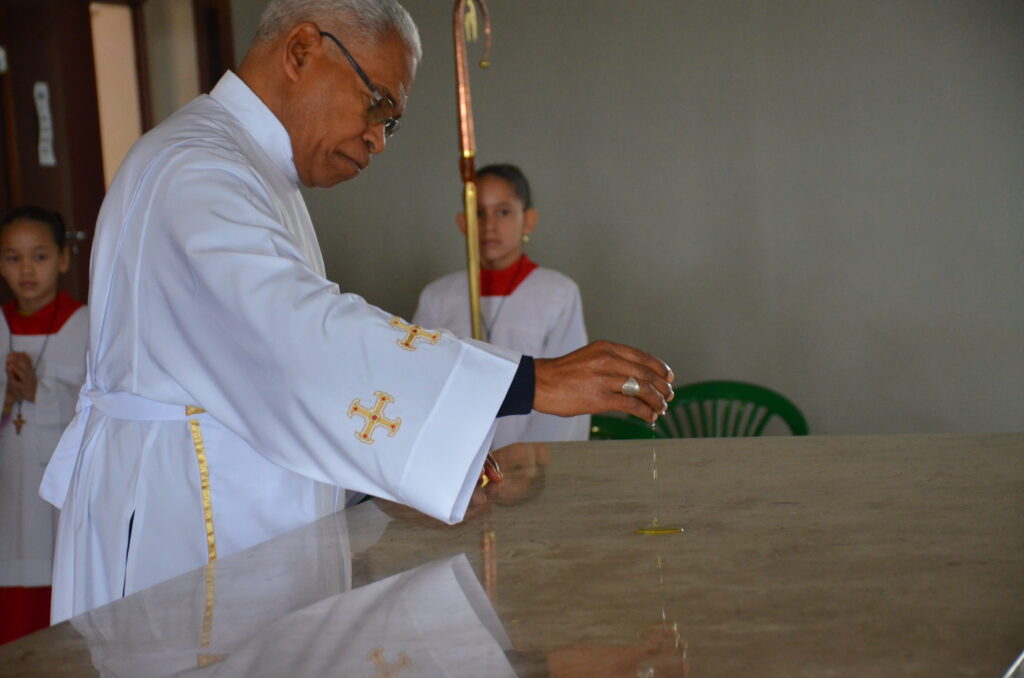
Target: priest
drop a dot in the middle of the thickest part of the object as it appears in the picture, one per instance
(232, 390)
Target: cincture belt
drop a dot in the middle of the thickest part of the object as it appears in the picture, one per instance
(117, 405)
(121, 405)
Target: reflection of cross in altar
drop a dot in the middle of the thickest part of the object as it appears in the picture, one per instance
(385, 670)
(374, 417)
(413, 333)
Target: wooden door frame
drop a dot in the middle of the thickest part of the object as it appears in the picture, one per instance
(9, 174)
(214, 40)
(214, 47)
(141, 58)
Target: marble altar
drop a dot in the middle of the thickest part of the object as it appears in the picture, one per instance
(872, 556)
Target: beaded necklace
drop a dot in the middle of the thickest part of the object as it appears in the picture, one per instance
(488, 327)
(19, 421)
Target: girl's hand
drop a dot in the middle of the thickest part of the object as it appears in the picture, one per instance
(11, 393)
(22, 375)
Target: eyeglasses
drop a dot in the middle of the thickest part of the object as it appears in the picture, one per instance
(382, 111)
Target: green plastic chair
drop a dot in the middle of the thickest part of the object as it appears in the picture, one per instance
(727, 409)
(604, 427)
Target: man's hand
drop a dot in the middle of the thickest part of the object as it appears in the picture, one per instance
(589, 380)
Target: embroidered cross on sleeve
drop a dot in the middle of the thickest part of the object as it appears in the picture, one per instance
(374, 417)
(413, 333)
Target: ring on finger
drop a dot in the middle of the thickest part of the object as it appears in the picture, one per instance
(631, 387)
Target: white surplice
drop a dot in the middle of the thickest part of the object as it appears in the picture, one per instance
(542, 317)
(208, 291)
(27, 523)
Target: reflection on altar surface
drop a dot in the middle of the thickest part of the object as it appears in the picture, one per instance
(792, 556)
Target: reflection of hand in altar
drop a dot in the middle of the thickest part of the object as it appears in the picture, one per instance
(479, 504)
(523, 467)
(662, 653)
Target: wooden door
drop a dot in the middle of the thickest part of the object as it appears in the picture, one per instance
(49, 59)
(51, 42)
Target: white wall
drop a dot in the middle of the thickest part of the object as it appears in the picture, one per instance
(824, 196)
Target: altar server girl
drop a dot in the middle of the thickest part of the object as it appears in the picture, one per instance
(43, 336)
(525, 307)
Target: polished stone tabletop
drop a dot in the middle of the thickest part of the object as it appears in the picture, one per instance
(821, 556)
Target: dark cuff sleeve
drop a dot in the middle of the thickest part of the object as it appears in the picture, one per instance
(519, 399)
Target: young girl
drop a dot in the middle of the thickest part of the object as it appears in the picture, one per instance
(43, 337)
(529, 309)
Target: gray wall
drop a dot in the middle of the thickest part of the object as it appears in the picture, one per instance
(173, 64)
(825, 196)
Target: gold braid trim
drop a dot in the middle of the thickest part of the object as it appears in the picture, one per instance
(211, 539)
(204, 488)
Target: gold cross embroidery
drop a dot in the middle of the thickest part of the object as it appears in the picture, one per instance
(385, 670)
(374, 417)
(413, 333)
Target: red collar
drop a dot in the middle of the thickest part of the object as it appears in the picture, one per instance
(47, 320)
(503, 282)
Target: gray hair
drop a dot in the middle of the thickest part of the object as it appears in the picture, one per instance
(366, 19)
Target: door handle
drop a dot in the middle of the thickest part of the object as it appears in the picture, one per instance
(74, 238)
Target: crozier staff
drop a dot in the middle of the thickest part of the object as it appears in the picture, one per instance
(232, 389)
(528, 308)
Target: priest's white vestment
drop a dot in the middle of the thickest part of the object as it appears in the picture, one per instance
(27, 523)
(541, 317)
(231, 388)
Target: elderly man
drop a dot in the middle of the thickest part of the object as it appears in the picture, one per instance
(232, 389)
